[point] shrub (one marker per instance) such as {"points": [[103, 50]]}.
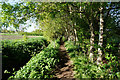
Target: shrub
{"points": [[71, 47], [86, 69], [41, 65], [58, 40], [64, 39], [31, 33], [16, 53]]}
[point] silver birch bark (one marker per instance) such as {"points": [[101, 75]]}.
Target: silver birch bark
{"points": [[92, 36], [119, 49], [91, 42], [100, 43]]}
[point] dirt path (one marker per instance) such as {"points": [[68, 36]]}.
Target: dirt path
{"points": [[64, 69]]}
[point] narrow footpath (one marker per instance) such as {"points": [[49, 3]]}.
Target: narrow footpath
{"points": [[64, 68]]}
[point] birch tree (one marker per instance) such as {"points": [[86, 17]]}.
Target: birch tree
{"points": [[100, 43]]}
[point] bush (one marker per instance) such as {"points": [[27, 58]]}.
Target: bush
{"points": [[71, 47], [31, 33], [86, 69], [64, 39], [17, 53], [41, 65], [58, 40]]}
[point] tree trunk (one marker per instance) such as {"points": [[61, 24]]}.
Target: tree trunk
{"points": [[80, 10], [90, 20], [91, 42], [119, 49], [76, 38], [75, 33], [100, 43]]}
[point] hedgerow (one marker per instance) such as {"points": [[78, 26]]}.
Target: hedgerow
{"points": [[41, 65], [17, 53], [31, 33]]}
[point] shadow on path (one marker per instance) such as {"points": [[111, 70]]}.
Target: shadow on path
{"points": [[64, 68]]}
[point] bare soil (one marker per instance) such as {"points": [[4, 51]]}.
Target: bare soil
{"points": [[64, 69]]}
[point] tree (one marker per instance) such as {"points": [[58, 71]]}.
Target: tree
{"points": [[91, 16], [64, 19], [102, 24], [100, 43], [68, 11]]}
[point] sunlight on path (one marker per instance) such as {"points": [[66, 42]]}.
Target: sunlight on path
{"points": [[64, 69]]}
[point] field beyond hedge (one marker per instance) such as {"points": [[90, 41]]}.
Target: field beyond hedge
{"points": [[4, 36]]}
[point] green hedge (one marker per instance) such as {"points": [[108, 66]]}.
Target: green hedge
{"points": [[31, 33], [16, 53], [41, 65]]}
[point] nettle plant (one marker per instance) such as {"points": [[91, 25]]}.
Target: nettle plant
{"points": [[41, 65], [111, 66], [17, 53]]}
